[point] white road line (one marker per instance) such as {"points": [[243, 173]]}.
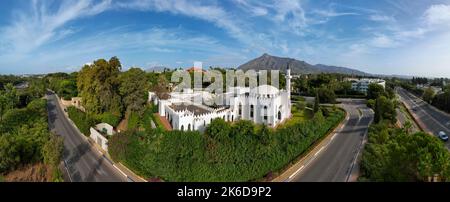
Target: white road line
{"points": [[296, 172], [320, 150], [68, 173], [332, 138], [120, 171]]}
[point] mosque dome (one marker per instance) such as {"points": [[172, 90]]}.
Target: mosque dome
{"points": [[264, 90]]}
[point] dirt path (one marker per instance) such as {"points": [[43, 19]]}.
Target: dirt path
{"points": [[123, 125]]}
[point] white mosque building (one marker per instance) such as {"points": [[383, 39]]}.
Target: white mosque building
{"points": [[264, 104]]}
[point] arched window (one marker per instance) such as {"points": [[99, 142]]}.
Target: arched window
{"points": [[182, 128], [265, 113], [223, 117], [279, 115], [252, 111], [189, 127], [204, 123], [232, 118]]}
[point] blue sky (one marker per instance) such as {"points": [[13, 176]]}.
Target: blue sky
{"points": [[408, 37]]}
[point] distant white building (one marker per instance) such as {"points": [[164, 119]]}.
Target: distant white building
{"points": [[362, 85], [264, 104]]}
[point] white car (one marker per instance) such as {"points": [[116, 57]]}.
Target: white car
{"points": [[443, 136]]}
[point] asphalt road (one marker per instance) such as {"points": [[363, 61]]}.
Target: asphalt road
{"points": [[338, 161], [82, 162], [433, 119]]}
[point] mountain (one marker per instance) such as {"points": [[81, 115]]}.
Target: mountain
{"points": [[341, 70], [268, 62], [157, 69]]}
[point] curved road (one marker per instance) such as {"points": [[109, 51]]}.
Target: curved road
{"points": [[337, 161], [82, 162]]}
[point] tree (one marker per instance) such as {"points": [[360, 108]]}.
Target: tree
{"points": [[374, 91], [326, 95], [384, 110], [161, 89], [98, 85], [371, 103], [300, 105], [52, 151], [3, 105], [133, 89], [316, 103], [428, 95]]}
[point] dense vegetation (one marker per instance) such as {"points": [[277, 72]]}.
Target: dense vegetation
{"points": [[65, 85], [24, 136], [81, 120], [328, 86], [225, 152], [395, 155], [440, 100]]}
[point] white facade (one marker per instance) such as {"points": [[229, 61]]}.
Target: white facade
{"points": [[362, 85], [100, 134], [262, 105]]}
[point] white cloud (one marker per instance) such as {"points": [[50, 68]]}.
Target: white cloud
{"points": [[253, 7], [31, 29], [438, 15], [332, 13], [381, 18], [383, 41]]}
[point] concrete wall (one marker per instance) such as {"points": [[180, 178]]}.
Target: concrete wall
{"points": [[99, 139], [75, 101]]}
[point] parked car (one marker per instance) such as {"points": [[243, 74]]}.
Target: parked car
{"points": [[443, 136]]}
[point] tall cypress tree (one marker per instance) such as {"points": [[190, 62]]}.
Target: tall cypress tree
{"points": [[378, 112], [316, 102]]}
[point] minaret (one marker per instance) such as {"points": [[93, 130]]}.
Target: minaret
{"points": [[288, 88]]}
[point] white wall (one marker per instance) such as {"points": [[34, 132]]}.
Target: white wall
{"points": [[99, 139]]}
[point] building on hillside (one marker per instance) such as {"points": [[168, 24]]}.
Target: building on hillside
{"points": [[75, 102], [264, 104], [362, 85]]}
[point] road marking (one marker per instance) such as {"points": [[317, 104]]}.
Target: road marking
{"points": [[332, 138], [120, 171], [67, 169], [320, 150], [426, 113], [296, 172]]}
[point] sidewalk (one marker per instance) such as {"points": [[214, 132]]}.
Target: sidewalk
{"points": [[293, 170]]}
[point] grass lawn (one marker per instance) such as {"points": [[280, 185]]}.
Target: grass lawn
{"points": [[299, 116]]}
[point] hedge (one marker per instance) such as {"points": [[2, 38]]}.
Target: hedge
{"points": [[81, 120], [225, 152]]}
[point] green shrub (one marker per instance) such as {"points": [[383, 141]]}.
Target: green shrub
{"points": [[81, 120], [394, 155], [226, 152], [24, 132], [133, 120], [110, 119]]}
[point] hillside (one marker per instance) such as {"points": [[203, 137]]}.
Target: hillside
{"points": [[268, 62]]}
